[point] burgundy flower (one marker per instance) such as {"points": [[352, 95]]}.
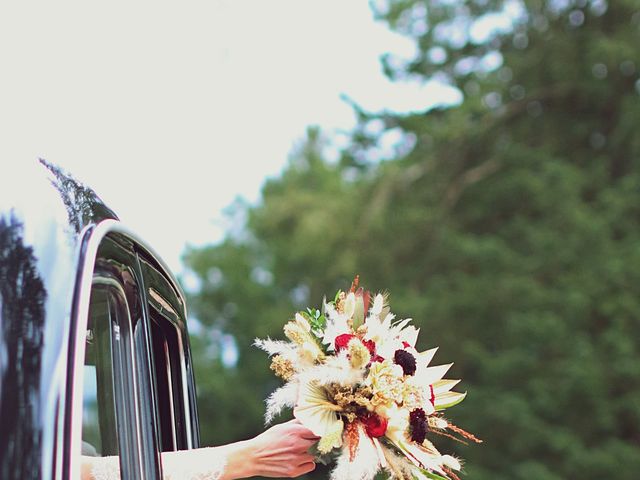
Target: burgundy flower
{"points": [[406, 361], [342, 341], [375, 425], [418, 424]]}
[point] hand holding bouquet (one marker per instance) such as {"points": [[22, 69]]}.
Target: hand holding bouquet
{"points": [[355, 379]]}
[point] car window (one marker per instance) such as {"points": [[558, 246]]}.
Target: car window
{"points": [[174, 393]]}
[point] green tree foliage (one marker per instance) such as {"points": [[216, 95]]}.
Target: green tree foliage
{"points": [[507, 226]]}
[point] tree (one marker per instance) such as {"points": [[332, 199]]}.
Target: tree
{"points": [[507, 226]]}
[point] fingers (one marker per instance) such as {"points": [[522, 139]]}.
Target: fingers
{"points": [[309, 435], [306, 458], [301, 469], [306, 468], [302, 446]]}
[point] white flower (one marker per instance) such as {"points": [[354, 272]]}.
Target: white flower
{"points": [[349, 305], [315, 411], [426, 376], [409, 335], [302, 322], [429, 378], [309, 352], [425, 357], [377, 330], [385, 379], [378, 305]]}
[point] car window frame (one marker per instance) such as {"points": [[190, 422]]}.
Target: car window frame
{"points": [[91, 240]]}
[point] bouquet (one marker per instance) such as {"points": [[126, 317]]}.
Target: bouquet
{"points": [[355, 379]]}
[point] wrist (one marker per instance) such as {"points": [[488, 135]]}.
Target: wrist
{"points": [[240, 460]]}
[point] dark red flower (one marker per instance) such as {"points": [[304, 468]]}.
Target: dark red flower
{"points": [[418, 424], [342, 341], [375, 425], [406, 361]]}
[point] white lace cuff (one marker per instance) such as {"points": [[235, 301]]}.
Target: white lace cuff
{"points": [[198, 464]]}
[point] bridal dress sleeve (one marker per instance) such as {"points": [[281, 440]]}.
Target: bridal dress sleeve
{"points": [[199, 464], [202, 464]]}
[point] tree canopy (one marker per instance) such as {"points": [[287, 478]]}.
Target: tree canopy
{"points": [[507, 226]]}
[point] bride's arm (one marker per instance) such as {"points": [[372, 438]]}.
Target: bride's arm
{"points": [[281, 451]]}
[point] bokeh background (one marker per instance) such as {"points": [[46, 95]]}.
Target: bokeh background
{"points": [[507, 225], [483, 166]]}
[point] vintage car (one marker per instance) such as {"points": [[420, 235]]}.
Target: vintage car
{"points": [[94, 352]]}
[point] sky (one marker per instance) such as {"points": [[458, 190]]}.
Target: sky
{"points": [[172, 110]]}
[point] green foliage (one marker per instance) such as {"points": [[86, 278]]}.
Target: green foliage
{"points": [[316, 320], [508, 227]]}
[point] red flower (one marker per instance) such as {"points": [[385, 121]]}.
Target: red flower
{"points": [[342, 341], [374, 425], [371, 346]]}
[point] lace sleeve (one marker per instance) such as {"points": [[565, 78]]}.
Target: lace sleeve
{"points": [[198, 464], [101, 468]]}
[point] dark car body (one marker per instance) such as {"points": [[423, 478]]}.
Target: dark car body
{"points": [[94, 352]]}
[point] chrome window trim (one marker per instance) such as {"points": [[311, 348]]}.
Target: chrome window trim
{"points": [[91, 239]]}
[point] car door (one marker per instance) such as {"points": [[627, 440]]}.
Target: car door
{"points": [[133, 388]]}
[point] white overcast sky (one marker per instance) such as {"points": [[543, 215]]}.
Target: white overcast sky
{"points": [[171, 110]]}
